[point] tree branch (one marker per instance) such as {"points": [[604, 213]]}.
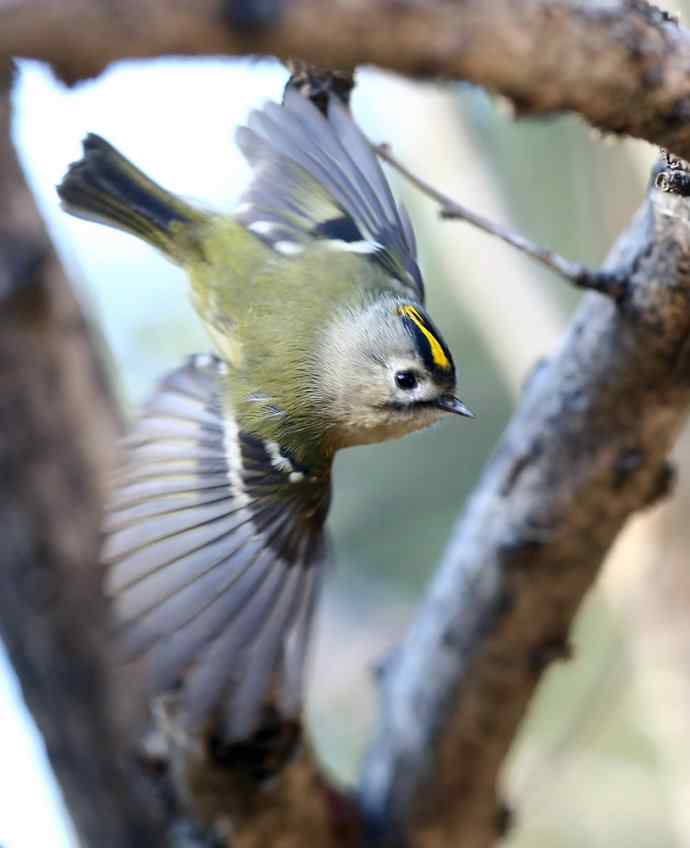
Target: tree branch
{"points": [[586, 448], [58, 427], [546, 56]]}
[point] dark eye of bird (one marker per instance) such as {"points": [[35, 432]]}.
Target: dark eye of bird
{"points": [[406, 380]]}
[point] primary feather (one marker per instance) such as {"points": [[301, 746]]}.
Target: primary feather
{"points": [[312, 171], [212, 538]]}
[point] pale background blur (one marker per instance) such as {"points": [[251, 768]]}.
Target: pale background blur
{"points": [[605, 757]]}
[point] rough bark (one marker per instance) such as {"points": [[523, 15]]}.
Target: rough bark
{"points": [[544, 55], [585, 449], [57, 437]]}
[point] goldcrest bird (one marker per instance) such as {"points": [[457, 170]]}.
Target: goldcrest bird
{"points": [[313, 298]]}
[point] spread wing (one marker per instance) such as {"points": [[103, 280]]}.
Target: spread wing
{"points": [[215, 549], [318, 178]]}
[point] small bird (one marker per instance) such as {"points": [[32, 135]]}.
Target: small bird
{"points": [[313, 298]]}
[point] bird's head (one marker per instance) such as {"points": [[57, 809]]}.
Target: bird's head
{"points": [[385, 371]]}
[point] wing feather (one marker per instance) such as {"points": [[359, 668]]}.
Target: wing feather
{"points": [[213, 554], [317, 177]]}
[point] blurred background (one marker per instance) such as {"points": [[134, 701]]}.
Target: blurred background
{"points": [[604, 756]]}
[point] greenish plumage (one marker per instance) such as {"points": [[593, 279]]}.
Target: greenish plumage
{"points": [[271, 328], [313, 299]]}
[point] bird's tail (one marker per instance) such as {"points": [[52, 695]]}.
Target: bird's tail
{"points": [[104, 186]]}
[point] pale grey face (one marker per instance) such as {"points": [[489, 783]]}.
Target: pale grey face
{"points": [[380, 377], [408, 385]]}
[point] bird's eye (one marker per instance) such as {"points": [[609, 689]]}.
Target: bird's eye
{"points": [[406, 380]]}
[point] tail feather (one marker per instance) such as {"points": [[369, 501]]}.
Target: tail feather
{"points": [[104, 186]]}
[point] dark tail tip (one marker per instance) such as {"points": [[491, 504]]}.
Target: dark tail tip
{"points": [[104, 186], [92, 169]]}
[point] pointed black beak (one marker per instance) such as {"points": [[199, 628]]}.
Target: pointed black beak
{"points": [[449, 403]]}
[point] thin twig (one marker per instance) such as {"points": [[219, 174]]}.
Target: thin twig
{"points": [[610, 283]]}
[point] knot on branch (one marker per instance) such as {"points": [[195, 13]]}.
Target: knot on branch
{"points": [[317, 84], [21, 263], [672, 175], [251, 16], [263, 755], [652, 13]]}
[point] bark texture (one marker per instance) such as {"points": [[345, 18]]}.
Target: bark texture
{"points": [[57, 437], [595, 58], [585, 449]]}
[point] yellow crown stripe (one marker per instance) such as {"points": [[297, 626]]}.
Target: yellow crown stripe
{"points": [[437, 352]]}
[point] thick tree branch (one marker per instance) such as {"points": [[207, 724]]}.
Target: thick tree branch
{"points": [[586, 448], [57, 426], [544, 55]]}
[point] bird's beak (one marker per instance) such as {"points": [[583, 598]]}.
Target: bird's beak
{"points": [[449, 403]]}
